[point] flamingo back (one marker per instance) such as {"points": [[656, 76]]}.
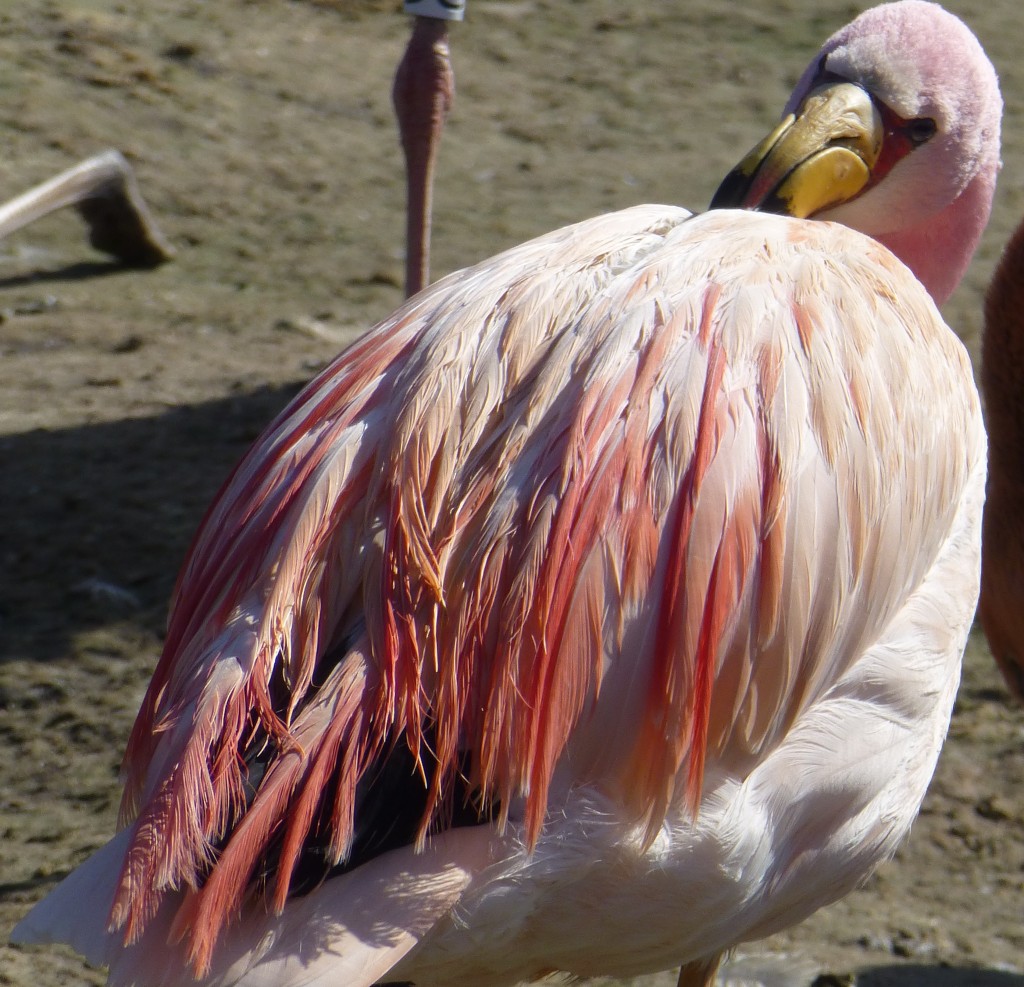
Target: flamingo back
{"points": [[633, 480]]}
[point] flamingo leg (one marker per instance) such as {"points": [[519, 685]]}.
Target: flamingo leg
{"points": [[422, 95], [104, 190]]}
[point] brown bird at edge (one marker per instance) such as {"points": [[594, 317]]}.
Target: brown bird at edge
{"points": [[1001, 378]]}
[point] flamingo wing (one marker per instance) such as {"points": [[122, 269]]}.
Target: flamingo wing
{"points": [[576, 492]]}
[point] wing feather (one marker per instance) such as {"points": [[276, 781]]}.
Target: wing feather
{"points": [[578, 492]]}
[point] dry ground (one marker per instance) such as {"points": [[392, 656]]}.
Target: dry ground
{"points": [[262, 135]]}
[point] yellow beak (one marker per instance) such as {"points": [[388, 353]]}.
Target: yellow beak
{"points": [[819, 157]]}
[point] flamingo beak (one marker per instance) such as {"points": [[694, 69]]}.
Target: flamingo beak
{"points": [[819, 157]]}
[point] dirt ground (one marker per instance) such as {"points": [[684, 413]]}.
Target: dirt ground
{"points": [[263, 138]]}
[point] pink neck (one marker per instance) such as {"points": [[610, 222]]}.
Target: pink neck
{"points": [[939, 249]]}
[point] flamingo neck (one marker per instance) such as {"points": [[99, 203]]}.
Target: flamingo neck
{"points": [[939, 249]]}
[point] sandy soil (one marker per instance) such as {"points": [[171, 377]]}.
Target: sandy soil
{"points": [[263, 138]]}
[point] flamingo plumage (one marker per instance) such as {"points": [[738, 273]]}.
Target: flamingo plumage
{"points": [[603, 607], [1002, 370]]}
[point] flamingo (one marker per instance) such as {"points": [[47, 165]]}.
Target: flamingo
{"points": [[104, 190], [1002, 573], [423, 91], [603, 607]]}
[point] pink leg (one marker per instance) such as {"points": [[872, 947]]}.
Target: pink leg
{"points": [[422, 94]]}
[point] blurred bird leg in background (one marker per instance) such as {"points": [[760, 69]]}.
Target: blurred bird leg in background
{"points": [[104, 191]]}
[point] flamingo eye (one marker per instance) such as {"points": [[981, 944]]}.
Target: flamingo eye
{"points": [[921, 131]]}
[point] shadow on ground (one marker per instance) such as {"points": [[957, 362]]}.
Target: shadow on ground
{"points": [[102, 515], [932, 976], [79, 271]]}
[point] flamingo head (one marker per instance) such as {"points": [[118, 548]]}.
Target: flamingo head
{"points": [[893, 130]]}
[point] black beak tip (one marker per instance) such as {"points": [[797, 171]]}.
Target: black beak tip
{"points": [[730, 193]]}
